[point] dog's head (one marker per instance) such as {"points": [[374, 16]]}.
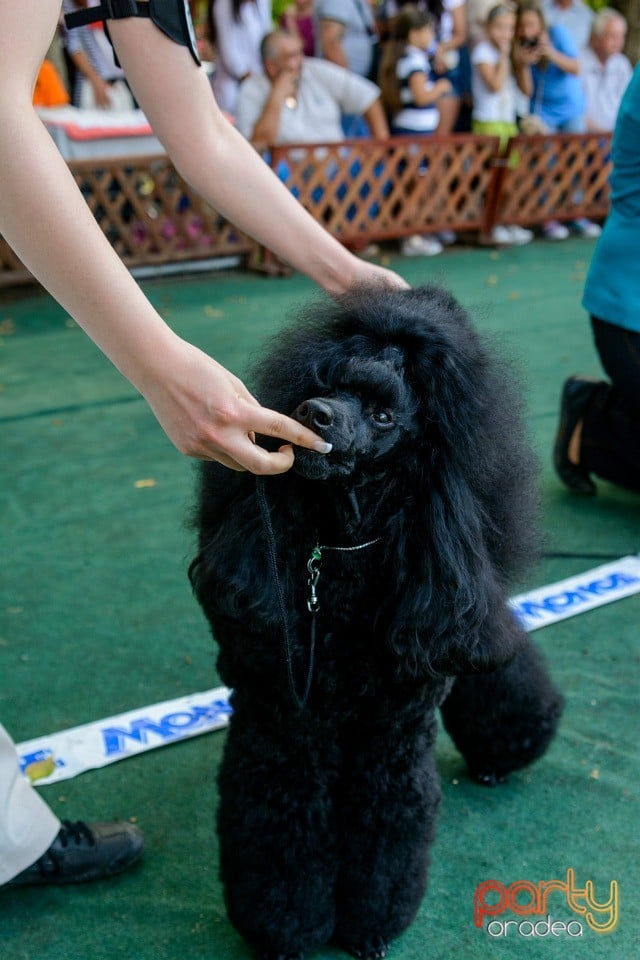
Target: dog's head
{"points": [[366, 409], [386, 376]]}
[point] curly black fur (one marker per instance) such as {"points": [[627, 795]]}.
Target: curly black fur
{"points": [[327, 809]]}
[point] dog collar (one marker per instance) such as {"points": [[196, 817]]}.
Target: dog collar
{"points": [[313, 567]]}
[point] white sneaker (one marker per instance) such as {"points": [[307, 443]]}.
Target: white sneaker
{"points": [[587, 228], [520, 236], [553, 230], [418, 246], [502, 235]]}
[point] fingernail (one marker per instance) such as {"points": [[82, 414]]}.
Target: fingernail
{"points": [[322, 447]]}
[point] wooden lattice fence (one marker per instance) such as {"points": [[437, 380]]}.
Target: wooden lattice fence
{"points": [[561, 177], [148, 213], [373, 190], [360, 190]]}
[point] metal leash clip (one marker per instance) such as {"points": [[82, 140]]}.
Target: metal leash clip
{"points": [[313, 566]]}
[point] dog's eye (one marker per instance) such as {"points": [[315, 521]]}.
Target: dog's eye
{"points": [[383, 418]]}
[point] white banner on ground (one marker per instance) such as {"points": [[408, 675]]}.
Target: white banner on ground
{"points": [[63, 755], [567, 598]]}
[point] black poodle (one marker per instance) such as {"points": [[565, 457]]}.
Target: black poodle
{"points": [[354, 596]]}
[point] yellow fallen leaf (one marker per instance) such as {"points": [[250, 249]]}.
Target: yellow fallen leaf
{"points": [[40, 769], [148, 482], [213, 311], [595, 774]]}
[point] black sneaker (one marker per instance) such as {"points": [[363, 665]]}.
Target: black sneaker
{"points": [[84, 851], [576, 394]]}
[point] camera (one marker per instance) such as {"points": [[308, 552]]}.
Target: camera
{"points": [[528, 43]]}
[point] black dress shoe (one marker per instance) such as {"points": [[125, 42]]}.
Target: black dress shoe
{"points": [[576, 394], [84, 851]]}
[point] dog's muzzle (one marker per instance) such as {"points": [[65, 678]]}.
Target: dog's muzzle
{"points": [[316, 414], [335, 421]]}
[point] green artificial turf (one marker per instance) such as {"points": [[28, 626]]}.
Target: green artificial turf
{"points": [[97, 617]]}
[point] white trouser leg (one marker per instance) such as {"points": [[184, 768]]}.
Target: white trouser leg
{"points": [[27, 826]]}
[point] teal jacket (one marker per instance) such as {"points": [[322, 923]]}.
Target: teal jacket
{"points": [[612, 290]]}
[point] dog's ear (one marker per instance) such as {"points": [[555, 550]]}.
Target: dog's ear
{"points": [[449, 612], [473, 526]]}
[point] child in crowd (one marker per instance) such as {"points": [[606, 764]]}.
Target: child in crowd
{"points": [[494, 93], [410, 94]]}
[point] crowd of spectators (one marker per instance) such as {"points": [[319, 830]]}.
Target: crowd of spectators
{"points": [[290, 71]]}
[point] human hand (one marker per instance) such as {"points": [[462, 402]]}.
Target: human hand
{"points": [[285, 86], [208, 413], [371, 273], [439, 62], [101, 93], [544, 46], [525, 54], [443, 87]]}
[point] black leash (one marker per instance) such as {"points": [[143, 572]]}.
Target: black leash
{"points": [[313, 603], [300, 702]]}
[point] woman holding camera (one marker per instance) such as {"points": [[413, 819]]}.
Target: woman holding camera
{"points": [[546, 66]]}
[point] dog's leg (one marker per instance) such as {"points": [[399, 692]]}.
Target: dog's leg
{"points": [[504, 720], [388, 805], [277, 829]]}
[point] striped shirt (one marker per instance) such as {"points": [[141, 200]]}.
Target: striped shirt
{"points": [[92, 41], [412, 116]]}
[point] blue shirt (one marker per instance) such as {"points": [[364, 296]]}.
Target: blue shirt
{"points": [[612, 290], [558, 96]]}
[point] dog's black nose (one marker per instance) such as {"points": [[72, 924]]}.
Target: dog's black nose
{"points": [[315, 414]]}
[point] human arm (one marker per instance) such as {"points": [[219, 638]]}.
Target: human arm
{"points": [[377, 120], [100, 88], [495, 74], [460, 29], [203, 408], [562, 59], [523, 59], [259, 107], [352, 93], [331, 45], [423, 92], [457, 39]]}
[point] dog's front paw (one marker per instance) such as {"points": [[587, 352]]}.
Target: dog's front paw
{"points": [[374, 948]]}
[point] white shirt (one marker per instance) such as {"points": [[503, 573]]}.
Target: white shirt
{"points": [[604, 84], [445, 31], [491, 105], [325, 92], [238, 46]]}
